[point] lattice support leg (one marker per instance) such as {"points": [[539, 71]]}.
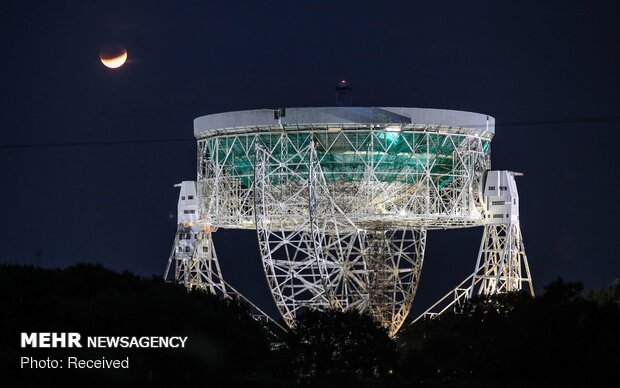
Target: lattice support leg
{"points": [[502, 263], [195, 262]]}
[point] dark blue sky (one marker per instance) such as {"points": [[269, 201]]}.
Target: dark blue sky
{"points": [[536, 66]]}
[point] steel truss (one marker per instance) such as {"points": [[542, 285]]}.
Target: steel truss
{"points": [[433, 186], [194, 260], [395, 261], [341, 214], [502, 264], [195, 264], [326, 260]]}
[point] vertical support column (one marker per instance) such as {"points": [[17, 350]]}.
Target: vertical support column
{"points": [[193, 258], [502, 263]]}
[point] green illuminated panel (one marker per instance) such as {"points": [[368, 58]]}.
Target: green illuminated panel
{"points": [[345, 156]]}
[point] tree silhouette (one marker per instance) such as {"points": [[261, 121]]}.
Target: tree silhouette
{"points": [[333, 343], [559, 338], [224, 342], [609, 294]]}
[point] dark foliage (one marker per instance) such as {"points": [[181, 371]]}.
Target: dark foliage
{"points": [[224, 343], [610, 294], [332, 345], [558, 339]]}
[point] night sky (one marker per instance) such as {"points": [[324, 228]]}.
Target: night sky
{"points": [[89, 155]]}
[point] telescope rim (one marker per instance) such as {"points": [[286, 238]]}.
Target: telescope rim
{"points": [[344, 118]]}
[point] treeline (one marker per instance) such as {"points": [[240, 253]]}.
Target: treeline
{"points": [[224, 343], [561, 338], [558, 339]]}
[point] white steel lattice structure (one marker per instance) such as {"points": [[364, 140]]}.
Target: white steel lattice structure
{"points": [[342, 199], [502, 263]]}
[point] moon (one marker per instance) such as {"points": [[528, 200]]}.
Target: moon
{"points": [[116, 62], [113, 55]]}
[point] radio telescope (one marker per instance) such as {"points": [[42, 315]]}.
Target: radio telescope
{"points": [[342, 199]]}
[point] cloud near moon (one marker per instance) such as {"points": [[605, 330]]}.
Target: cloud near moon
{"points": [[113, 55]]}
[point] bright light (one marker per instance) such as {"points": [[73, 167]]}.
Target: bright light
{"points": [[116, 62], [393, 128]]}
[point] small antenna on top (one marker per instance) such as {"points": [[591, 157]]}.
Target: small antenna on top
{"points": [[344, 93]]}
